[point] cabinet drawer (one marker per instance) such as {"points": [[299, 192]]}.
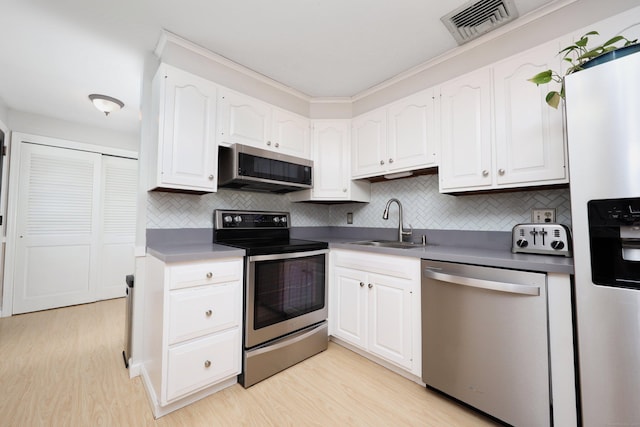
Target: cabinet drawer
{"points": [[203, 310], [203, 362], [205, 273]]}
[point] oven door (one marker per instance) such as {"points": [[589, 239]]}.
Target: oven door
{"points": [[285, 293]]}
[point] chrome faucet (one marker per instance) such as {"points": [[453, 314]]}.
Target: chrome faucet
{"points": [[385, 216]]}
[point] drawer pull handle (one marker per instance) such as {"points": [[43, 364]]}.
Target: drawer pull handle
{"points": [[209, 275], [208, 313], [207, 363]]}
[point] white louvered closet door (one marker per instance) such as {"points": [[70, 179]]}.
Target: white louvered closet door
{"points": [[118, 196], [57, 242]]}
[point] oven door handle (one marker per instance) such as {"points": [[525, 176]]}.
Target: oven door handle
{"points": [[272, 257]]}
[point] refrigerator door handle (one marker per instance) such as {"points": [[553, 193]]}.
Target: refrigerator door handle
{"points": [[483, 284]]}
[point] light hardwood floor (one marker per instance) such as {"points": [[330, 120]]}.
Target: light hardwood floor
{"points": [[64, 367]]}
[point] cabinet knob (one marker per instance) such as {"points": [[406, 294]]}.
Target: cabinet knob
{"points": [[361, 284], [208, 313], [382, 162], [370, 286], [390, 160], [344, 190], [269, 143], [207, 363], [485, 173], [277, 144], [209, 275], [501, 171], [210, 177]]}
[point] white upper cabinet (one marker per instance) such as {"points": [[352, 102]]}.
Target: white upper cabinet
{"points": [[246, 120], [466, 131], [331, 155], [413, 132], [498, 131], [529, 134], [243, 120], [369, 143], [290, 133], [187, 154], [399, 137]]}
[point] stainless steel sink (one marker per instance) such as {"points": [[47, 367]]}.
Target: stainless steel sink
{"points": [[388, 244]]}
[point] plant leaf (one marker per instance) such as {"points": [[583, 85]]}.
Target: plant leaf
{"points": [[542, 77], [614, 40], [553, 99]]}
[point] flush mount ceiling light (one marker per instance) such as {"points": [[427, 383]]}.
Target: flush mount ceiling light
{"points": [[105, 103]]}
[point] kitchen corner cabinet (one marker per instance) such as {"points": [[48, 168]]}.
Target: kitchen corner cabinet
{"points": [[376, 305], [331, 155], [193, 334], [400, 137], [498, 131], [246, 120], [187, 154]]}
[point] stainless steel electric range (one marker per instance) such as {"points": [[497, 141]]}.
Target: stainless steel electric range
{"points": [[285, 291]]}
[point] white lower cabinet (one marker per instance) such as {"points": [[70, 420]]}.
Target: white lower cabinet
{"points": [[375, 305], [193, 334]]}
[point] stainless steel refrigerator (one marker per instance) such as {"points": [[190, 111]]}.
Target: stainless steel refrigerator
{"points": [[603, 130]]}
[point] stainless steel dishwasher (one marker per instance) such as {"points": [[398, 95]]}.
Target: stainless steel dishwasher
{"points": [[485, 340]]}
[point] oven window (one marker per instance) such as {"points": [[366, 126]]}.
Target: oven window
{"points": [[288, 288]]}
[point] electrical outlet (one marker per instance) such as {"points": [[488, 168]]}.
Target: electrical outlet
{"points": [[349, 217], [541, 215]]}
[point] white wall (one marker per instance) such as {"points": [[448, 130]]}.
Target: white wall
{"points": [[35, 124]]}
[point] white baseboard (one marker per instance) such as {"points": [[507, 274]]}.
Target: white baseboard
{"points": [[160, 411], [390, 366]]}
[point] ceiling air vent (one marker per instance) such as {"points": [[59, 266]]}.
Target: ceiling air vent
{"points": [[478, 17]]}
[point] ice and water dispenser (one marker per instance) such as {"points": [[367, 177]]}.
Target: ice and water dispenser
{"points": [[614, 238]]}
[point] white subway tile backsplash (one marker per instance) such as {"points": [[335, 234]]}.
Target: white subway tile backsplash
{"points": [[424, 207]]}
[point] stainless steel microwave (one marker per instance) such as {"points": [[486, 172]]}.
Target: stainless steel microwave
{"points": [[253, 169]]}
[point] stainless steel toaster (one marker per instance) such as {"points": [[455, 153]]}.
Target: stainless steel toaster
{"points": [[541, 238]]}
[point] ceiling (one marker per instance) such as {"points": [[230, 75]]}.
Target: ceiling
{"points": [[54, 53]]}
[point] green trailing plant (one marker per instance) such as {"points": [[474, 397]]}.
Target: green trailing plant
{"points": [[576, 55]]}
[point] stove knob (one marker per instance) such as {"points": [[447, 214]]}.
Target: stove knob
{"points": [[237, 218], [557, 245], [276, 219], [283, 220], [228, 218], [522, 243]]}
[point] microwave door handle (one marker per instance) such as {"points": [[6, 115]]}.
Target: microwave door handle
{"points": [[483, 284]]}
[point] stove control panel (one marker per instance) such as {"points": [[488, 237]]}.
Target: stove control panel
{"points": [[234, 219], [541, 238]]}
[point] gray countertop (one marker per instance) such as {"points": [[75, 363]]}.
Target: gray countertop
{"points": [[461, 247]]}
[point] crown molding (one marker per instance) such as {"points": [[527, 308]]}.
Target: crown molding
{"points": [[167, 37]]}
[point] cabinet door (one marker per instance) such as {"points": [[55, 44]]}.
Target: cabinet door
{"points": [[189, 154], [243, 120], [290, 134], [349, 314], [466, 132], [412, 140], [200, 363], [331, 159], [194, 312], [529, 135], [369, 141], [390, 317]]}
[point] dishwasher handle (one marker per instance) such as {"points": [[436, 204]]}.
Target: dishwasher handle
{"points": [[483, 284]]}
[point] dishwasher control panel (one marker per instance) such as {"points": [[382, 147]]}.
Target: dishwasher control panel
{"points": [[541, 238]]}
